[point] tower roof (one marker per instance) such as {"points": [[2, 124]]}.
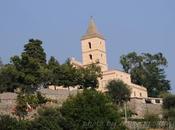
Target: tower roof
{"points": [[92, 31]]}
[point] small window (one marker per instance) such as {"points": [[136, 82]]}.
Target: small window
{"points": [[101, 55], [140, 94], [148, 101], [157, 101], [134, 93], [90, 56], [90, 45]]}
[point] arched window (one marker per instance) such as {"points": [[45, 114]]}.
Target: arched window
{"points": [[90, 56], [90, 45]]}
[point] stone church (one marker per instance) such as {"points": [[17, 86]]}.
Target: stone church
{"points": [[94, 51]]}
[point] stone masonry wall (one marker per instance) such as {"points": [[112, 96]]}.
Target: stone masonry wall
{"points": [[141, 108]]}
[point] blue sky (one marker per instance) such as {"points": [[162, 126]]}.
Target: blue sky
{"points": [[128, 25]]}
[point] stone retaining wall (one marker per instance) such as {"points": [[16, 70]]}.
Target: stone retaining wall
{"points": [[141, 108]]}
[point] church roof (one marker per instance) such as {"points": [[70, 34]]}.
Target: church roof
{"points": [[92, 31]]}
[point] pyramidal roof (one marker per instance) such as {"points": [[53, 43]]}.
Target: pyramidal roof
{"points": [[92, 31]]}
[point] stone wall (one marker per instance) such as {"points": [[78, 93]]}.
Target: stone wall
{"points": [[7, 102], [140, 107]]}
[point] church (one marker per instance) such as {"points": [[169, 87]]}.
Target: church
{"points": [[94, 51]]}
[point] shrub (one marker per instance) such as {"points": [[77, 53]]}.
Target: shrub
{"points": [[48, 119], [118, 91], [152, 120], [11, 123], [169, 102], [90, 110]]}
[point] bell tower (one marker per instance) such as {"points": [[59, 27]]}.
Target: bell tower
{"points": [[93, 47]]}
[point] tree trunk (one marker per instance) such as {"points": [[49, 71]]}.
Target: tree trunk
{"points": [[69, 90]]}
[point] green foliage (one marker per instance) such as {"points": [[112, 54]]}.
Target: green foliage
{"points": [[118, 91], [68, 75], [23, 100], [30, 72], [147, 70], [29, 66], [169, 102], [169, 107], [89, 76], [8, 78], [152, 120], [53, 63], [90, 110], [34, 50], [54, 69], [169, 114], [10, 123], [21, 107], [48, 119], [41, 98]]}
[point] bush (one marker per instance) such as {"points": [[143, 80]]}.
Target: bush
{"points": [[7, 122], [41, 99], [118, 91], [24, 101], [169, 107], [11, 123], [170, 114], [152, 120], [169, 102], [48, 119], [90, 110], [21, 107]]}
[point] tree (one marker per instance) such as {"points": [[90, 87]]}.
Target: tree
{"points": [[7, 122], [169, 102], [48, 119], [54, 69], [11, 123], [90, 110], [34, 50], [118, 91], [89, 76], [31, 65], [147, 70], [52, 63], [169, 107], [67, 75], [8, 78], [26, 102], [21, 106]]}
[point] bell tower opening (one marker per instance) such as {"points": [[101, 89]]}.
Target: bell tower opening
{"points": [[90, 45], [90, 56]]}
